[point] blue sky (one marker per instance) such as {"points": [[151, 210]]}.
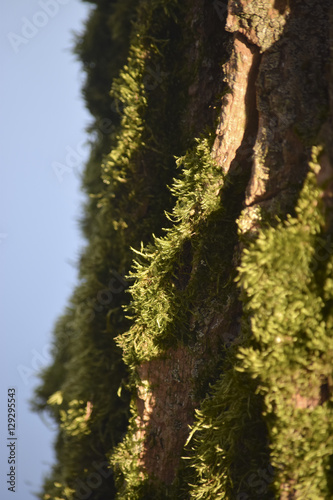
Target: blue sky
{"points": [[43, 121]]}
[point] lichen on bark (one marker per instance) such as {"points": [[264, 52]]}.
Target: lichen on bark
{"points": [[261, 21]]}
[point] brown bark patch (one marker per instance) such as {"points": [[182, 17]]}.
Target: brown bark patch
{"points": [[238, 105], [311, 396], [167, 394], [165, 411]]}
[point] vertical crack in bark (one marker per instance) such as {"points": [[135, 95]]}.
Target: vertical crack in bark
{"points": [[238, 118], [325, 176], [291, 99]]}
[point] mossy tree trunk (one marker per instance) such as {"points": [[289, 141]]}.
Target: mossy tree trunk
{"points": [[274, 109], [227, 350]]}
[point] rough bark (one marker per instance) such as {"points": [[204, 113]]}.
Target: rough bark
{"points": [[278, 77], [228, 345]]}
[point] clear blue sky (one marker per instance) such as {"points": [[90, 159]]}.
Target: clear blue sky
{"points": [[42, 119]]}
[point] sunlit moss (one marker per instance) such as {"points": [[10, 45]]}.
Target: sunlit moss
{"points": [[287, 297], [158, 304], [274, 401]]}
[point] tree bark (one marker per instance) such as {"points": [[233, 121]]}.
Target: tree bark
{"points": [[228, 345], [276, 107]]}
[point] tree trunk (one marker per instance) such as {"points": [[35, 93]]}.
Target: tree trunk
{"points": [[228, 346]]}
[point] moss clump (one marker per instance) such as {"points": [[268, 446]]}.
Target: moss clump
{"points": [[271, 400], [266, 428], [228, 443], [159, 294], [181, 282], [287, 301], [126, 196]]}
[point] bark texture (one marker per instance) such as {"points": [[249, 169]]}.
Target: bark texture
{"points": [[276, 103], [226, 337]]}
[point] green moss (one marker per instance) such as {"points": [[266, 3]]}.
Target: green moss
{"points": [[271, 400], [158, 296], [287, 297], [185, 275], [126, 463], [126, 179], [273, 404]]}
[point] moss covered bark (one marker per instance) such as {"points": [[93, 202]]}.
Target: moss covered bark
{"points": [[210, 376]]}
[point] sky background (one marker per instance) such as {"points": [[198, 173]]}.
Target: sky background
{"points": [[43, 122]]}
